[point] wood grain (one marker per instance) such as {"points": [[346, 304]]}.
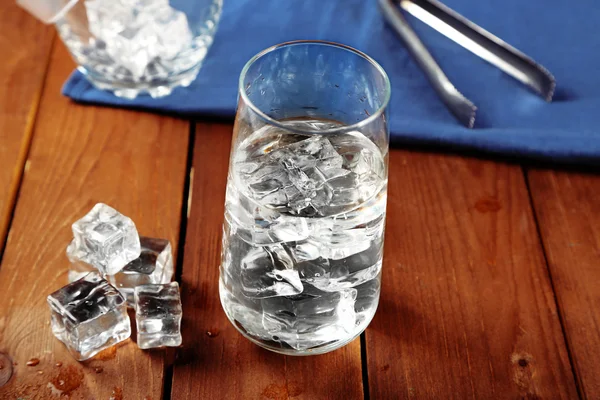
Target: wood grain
{"points": [[567, 206], [25, 47], [217, 362], [467, 309], [82, 155]]}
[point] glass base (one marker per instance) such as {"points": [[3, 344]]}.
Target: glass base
{"points": [[155, 88], [282, 348]]}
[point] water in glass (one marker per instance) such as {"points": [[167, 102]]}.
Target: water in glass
{"points": [[303, 236]]}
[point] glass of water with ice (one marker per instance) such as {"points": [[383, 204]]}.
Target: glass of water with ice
{"points": [[306, 197], [132, 47]]}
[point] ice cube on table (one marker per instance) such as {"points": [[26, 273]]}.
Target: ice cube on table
{"points": [[154, 265], [310, 319], [105, 239], [77, 268], [88, 316], [268, 271], [158, 315]]}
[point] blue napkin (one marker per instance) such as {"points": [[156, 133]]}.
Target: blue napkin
{"points": [[561, 35]]}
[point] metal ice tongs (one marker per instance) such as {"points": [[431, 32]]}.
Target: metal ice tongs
{"points": [[472, 37]]}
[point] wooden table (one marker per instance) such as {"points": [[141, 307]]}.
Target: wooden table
{"points": [[491, 277]]}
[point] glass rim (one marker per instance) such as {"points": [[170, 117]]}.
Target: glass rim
{"points": [[363, 122]]}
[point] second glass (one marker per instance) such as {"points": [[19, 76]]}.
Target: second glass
{"points": [[306, 197], [132, 47]]}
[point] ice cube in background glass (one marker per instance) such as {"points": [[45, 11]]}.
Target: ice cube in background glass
{"points": [[135, 33], [105, 239], [173, 32], [88, 316], [158, 315], [133, 48], [127, 38], [108, 16]]}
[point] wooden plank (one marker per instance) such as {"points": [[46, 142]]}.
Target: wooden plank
{"points": [[25, 47], [80, 156], [567, 205], [467, 309], [218, 363]]}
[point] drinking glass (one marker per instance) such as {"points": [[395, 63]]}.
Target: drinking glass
{"points": [[306, 196]]}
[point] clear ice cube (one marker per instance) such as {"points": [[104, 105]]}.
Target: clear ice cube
{"points": [[367, 299], [260, 225], [133, 48], [333, 275], [105, 239], [77, 268], [294, 178], [316, 151], [268, 272], [107, 17], [231, 261], [154, 265], [340, 238], [173, 32], [304, 251], [311, 319], [158, 315], [355, 269], [244, 312], [88, 316]]}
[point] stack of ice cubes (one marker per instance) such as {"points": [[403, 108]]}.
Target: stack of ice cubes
{"points": [[138, 32], [113, 267]]}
